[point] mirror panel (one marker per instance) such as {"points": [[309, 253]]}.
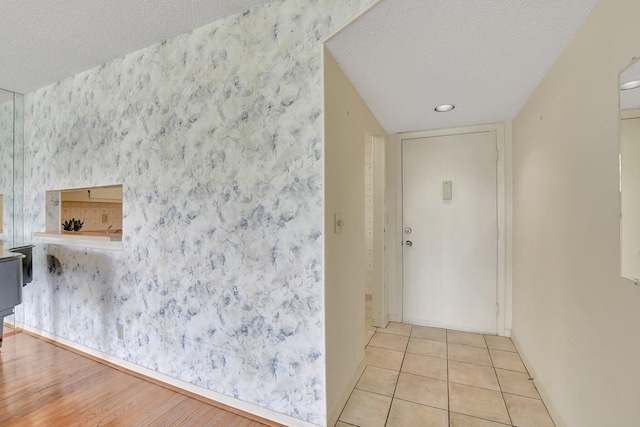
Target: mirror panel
{"points": [[630, 172], [6, 165], [12, 180], [19, 237]]}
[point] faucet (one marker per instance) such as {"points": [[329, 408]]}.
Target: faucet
{"points": [[108, 228]]}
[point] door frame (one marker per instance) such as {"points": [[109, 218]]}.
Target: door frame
{"points": [[379, 312], [503, 193]]}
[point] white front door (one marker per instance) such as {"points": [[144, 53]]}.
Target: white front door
{"points": [[450, 239]]}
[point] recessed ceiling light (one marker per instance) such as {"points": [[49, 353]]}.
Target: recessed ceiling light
{"points": [[444, 108], [630, 85]]}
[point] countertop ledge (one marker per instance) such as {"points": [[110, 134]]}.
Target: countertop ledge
{"points": [[86, 239]]}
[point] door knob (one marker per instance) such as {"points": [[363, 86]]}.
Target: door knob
{"points": [[409, 243]]}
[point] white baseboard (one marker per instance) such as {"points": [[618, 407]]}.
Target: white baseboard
{"points": [[544, 394], [335, 414], [183, 385]]}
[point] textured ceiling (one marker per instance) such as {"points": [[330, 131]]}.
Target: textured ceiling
{"points": [[44, 41], [405, 57]]}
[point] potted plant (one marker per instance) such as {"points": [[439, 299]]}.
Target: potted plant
{"points": [[72, 225]]}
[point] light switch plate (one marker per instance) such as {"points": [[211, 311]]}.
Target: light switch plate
{"points": [[447, 190]]}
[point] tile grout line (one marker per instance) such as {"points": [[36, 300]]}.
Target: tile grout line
{"points": [[393, 396], [349, 398], [478, 364], [498, 380]]}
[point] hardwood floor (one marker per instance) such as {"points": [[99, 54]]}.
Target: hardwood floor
{"points": [[42, 384]]}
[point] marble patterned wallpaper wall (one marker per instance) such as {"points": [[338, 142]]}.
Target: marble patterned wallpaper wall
{"points": [[216, 137]]}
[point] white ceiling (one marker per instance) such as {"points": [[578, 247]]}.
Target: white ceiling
{"points": [[44, 41], [405, 57]]}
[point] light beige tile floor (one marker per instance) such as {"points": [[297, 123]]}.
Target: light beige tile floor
{"points": [[430, 377]]}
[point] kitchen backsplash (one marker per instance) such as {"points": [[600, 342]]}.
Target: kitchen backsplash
{"points": [[92, 214]]}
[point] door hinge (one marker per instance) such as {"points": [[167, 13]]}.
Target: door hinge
{"points": [[497, 155], [497, 308]]}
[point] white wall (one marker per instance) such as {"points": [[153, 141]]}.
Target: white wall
{"points": [[347, 122], [575, 318]]}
